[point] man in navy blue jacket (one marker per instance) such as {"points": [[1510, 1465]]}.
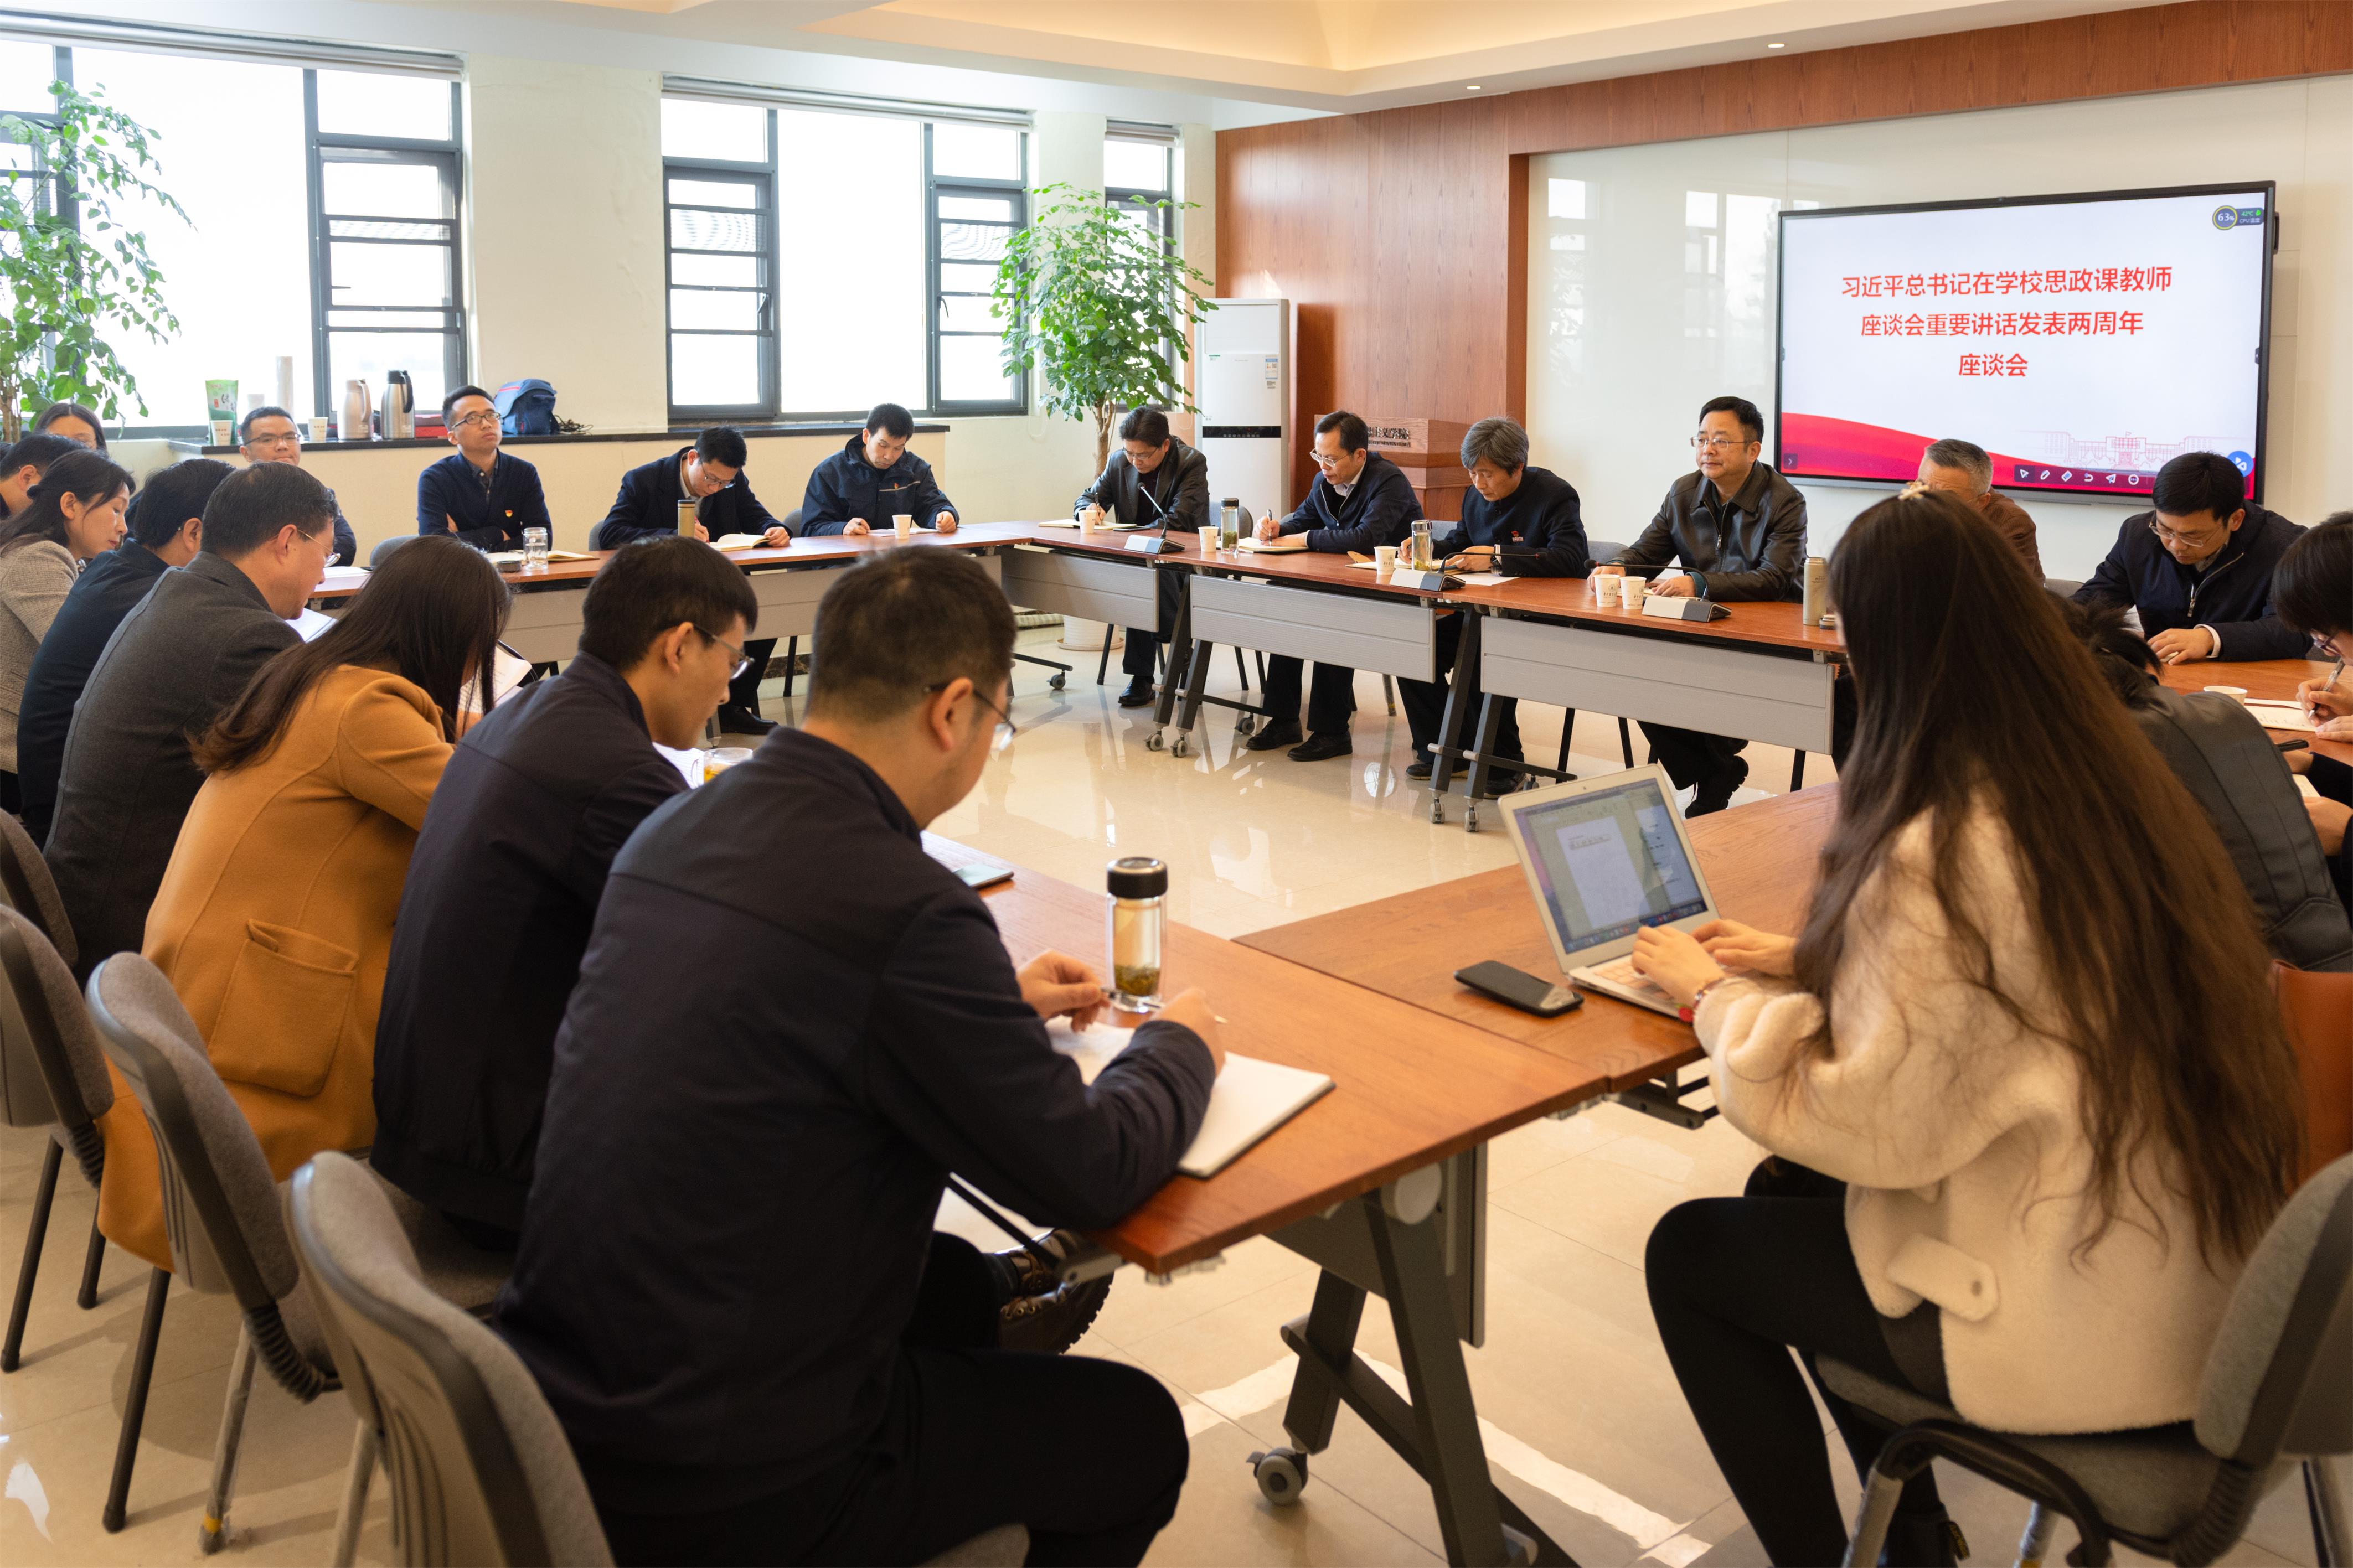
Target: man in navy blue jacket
{"points": [[1359, 501], [729, 1287], [1519, 520], [2199, 567], [503, 885], [710, 474], [873, 479], [478, 492]]}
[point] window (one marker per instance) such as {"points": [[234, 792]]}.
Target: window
{"points": [[976, 200], [719, 195], [1138, 172], [384, 228], [822, 262]]}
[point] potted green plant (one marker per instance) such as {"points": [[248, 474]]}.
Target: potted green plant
{"points": [[69, 284], [1101, 303]]}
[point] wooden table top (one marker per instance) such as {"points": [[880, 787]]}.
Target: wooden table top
{"points": [[1759, 862], [1773, 622], [2265, 681], [1408, 1089]]}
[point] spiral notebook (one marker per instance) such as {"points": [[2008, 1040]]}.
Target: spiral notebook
{"points": [[1252, 1099]]}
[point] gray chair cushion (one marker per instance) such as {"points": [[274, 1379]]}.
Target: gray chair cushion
{"points": [[356, 1225], [385, 547], [141, 1000], [452, 1267], [81, 1079], [2258, 1313], [48, 906], [2151, 1483], [1006, 1546]]}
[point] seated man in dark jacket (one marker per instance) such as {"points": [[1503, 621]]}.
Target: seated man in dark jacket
{"points": [[480, 494], [2228, 761], [268, 435], [872, 480], [1153, 480], [180, 656], [1738, 530], [2199, 567], [710, 474], [167, 527], [1359, 501], [721, 1114], [1518, 520], [503, 885]]}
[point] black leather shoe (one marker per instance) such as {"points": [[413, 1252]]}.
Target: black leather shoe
{"points": [[1316, 748], [1139, 694], [1715, 793], [1502, 781], [1928, 1538], [1421, 767], [742, 721], [1276, 734], [1050, 1324]]}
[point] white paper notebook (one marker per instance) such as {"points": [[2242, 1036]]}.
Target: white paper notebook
{"points": [[1283, 546], [2281, 716], [1252, 1099]]}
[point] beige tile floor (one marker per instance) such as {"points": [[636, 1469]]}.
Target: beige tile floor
{"points": [[1583, 1422]]}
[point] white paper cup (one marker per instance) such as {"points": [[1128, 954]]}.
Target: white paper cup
{"points": [[1209, 540], [1607, 588], [314, 429], [903, 525], [223, 431], [1384, 559], [2235, 693], [1086, 520]]}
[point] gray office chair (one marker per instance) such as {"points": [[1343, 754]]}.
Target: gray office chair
{"points": [[385, 547], [2277, 1389], [52, 1075], [221, 1214], [482, 1472], [2063, 586]]}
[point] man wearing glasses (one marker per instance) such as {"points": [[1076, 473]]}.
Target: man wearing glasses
{"points": [[1737, 530], [2199, 567], [478, 492], [268, 435], [1359, 501]]}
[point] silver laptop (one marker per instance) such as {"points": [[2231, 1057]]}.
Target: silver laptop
{"points": [[1606, 857]]}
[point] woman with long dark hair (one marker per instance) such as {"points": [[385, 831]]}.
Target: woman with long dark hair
{"points": [[74, 422], [2027, 1025], [274, 920], [73, 512]]}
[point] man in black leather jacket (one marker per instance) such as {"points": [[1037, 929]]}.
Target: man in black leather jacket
{"points": [[1153, 480]]}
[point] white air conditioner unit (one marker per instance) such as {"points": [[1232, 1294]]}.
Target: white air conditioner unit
{"points": [[1245, 397]]}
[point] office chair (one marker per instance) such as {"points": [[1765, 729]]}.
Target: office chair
{"points": [[2273, 1395], [482, 1472]]}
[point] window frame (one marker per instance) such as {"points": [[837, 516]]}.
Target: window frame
{"points": [[1118, 198], [769, 335], [934, 188], [447, 156]]}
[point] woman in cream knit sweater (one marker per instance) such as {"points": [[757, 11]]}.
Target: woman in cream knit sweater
{"points": [[73, 514], [2027, 1027]]}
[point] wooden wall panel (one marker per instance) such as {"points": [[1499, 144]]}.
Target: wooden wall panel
{"points": [[1399, 236]]}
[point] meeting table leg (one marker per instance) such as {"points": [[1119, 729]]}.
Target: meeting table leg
{"points": [[1181, 636], [1450, 727]]}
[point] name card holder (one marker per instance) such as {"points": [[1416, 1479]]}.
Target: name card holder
{"points": [[1428, 582], [1669, 608], [1153, 544]]}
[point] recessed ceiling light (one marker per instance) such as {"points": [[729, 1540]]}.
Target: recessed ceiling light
{"points": [[1471, 87], [1777, 46]]}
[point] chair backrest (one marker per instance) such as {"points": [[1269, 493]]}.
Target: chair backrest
{"points": [[2275, 1381], [2318, 1012], [52, 1070], [482, 1472], [385, 547], [1604, 548], [27, 886], [2063, 586], [792, 520]]}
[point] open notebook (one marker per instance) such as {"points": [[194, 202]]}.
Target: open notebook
{"points": [[1253, 1098], [1287, 544]]}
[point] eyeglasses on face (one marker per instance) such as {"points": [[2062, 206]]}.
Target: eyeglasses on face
{"points": [[1719, 443], [1002, 736], [275, 438], [479, 416], [743, 660], [2193, 537]]}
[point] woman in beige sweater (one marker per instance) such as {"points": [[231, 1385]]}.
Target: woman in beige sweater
{"points": [[2027, 1027], [74, 513]]}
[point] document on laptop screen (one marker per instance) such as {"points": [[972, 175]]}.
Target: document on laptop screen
{"points": [[1609, 863]]}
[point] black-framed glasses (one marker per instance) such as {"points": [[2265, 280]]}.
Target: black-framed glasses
{"points": [[1003, 735], [1720, 442], [479, 416], [743, 659], [2191, 538]]}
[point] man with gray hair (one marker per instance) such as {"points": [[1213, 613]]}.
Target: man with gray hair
{"points": [[1964, 469], [1519, 520]]}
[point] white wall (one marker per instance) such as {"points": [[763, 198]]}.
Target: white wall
{"points": [[1625, 341], [565, 198]]}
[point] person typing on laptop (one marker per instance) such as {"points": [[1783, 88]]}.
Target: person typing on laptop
{"points": [[2027, 1026]]}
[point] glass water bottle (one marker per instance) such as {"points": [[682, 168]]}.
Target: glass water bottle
{"points": [[1229, 525], [1422, 557], [1136, 925]]}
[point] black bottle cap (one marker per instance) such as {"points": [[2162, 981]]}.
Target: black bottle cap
{"points": [[1137, 876]]}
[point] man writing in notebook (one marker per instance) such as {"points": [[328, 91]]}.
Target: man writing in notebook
{"points": [[867, 1037], [1153, 480]]}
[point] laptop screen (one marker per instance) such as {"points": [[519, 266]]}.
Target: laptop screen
{"points": [[1610, 862]]}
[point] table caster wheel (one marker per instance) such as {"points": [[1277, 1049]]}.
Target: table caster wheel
{"points": [[1181, 747], [1438, 808], [1055, 681], [1245, 725], [1470, 818], [1156, 741], [1282, 1475]]}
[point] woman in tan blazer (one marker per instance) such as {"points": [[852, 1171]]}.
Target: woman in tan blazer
{"points": [[274, 919]]}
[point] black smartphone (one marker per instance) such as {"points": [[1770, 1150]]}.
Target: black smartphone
{"points": [[978, 877], [2295, 746], [1528, 992]]}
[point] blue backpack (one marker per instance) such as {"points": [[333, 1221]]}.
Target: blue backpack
{"points": [[526, 408]]}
